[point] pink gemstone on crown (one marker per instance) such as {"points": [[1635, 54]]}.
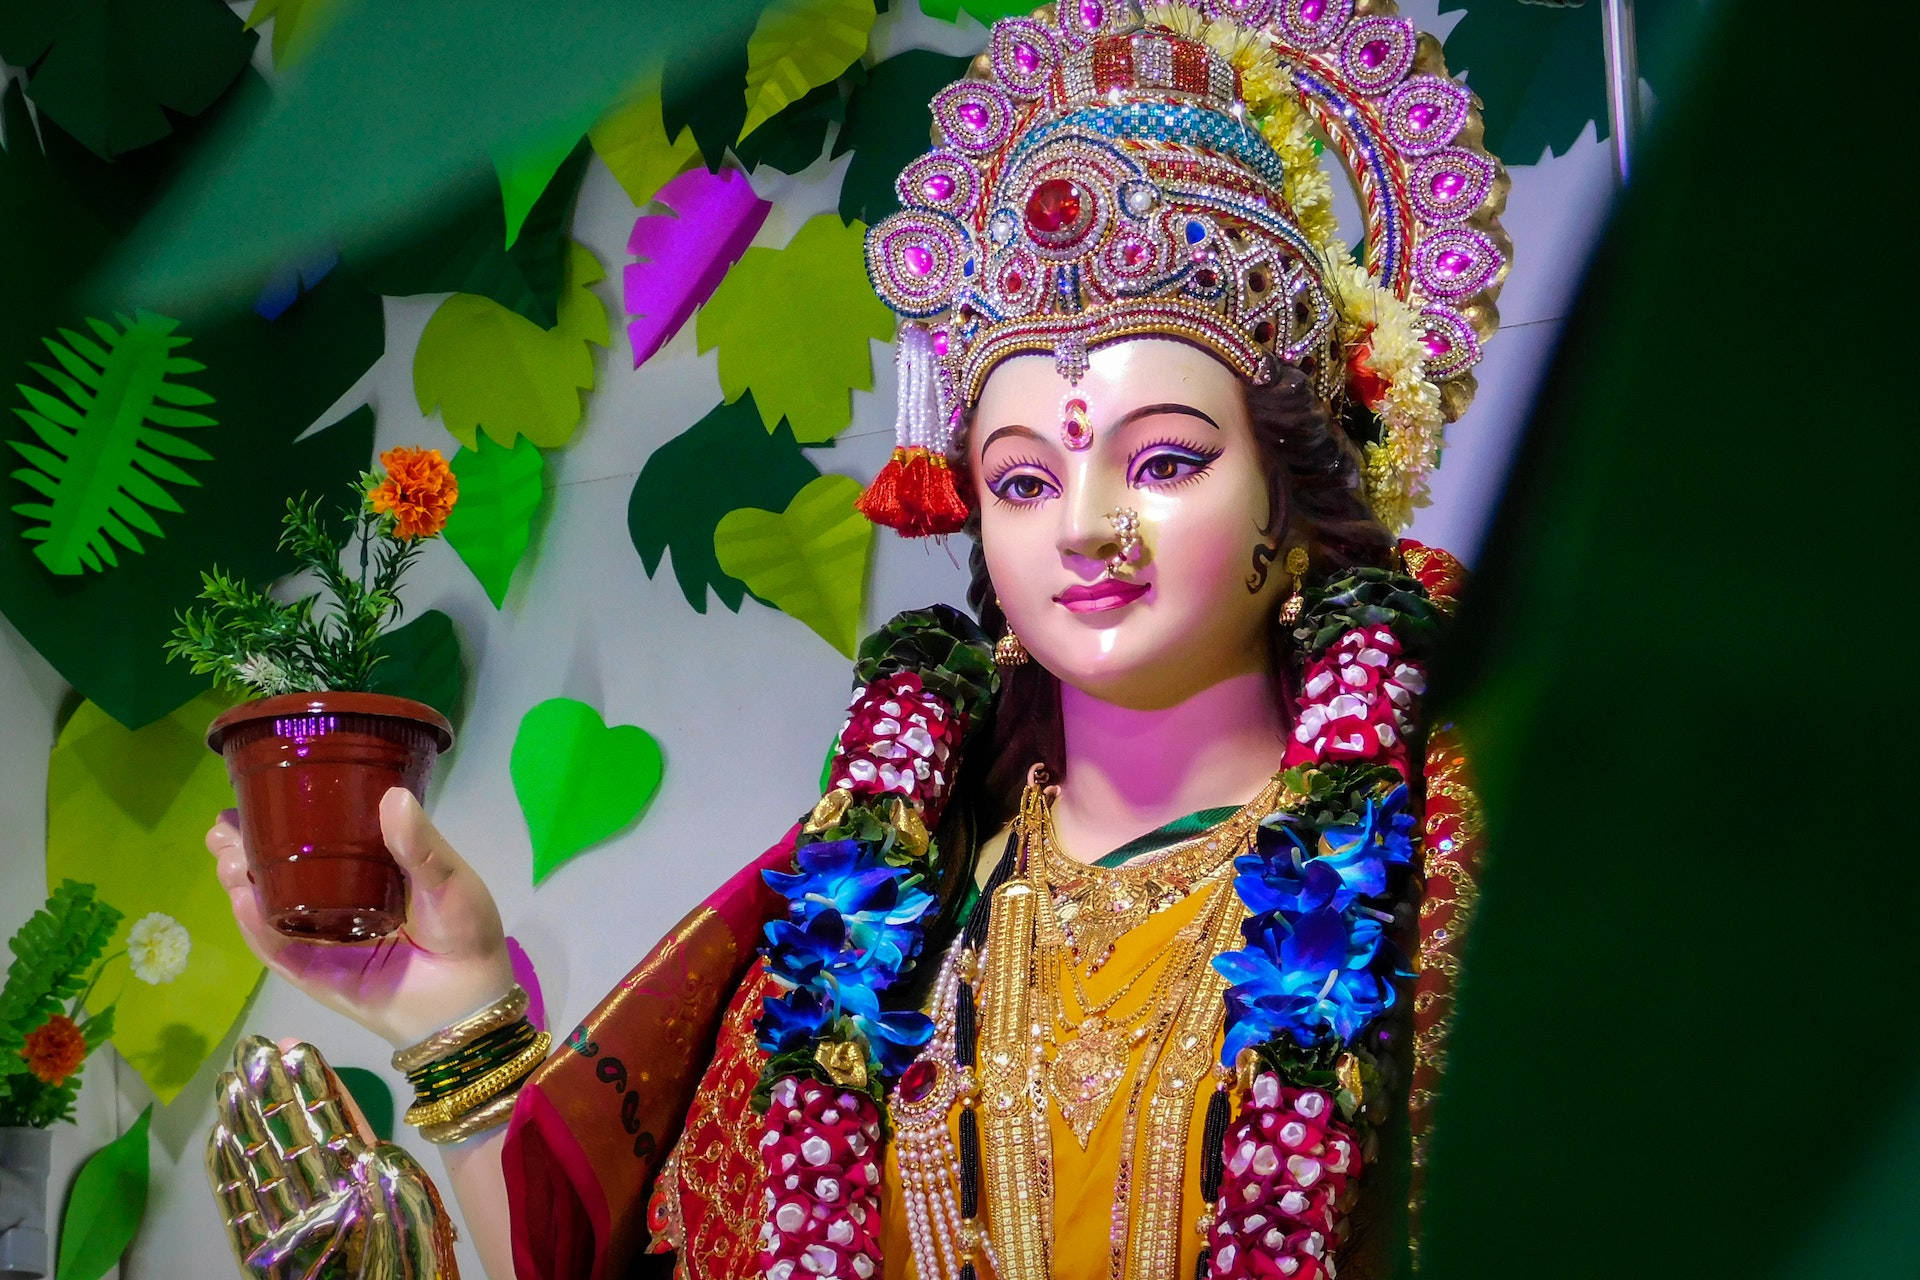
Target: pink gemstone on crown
{"points": [[919, 259], [1093, 13], [1421, 116], [1026, 57], [1312, 10], [1453, 262], [1373, 54], [1438, 344], [974, 113], [1054, 206], [938, 186], [1447, 185]]}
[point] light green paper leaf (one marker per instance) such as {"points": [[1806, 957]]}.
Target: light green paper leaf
{"points": [[578, 781], [814, 288], [297, 24], [483, 367], [797, 46], [373, 1096], [128, 810], [809, 560], [108, 1200], [631, 138], [100, 447], [491, 524]]}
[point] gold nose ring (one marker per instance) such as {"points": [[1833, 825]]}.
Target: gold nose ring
{"points": [[1126, 529]]}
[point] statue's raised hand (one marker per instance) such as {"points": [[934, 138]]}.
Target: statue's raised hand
{"points": [[305, 1189], [449, 959]]}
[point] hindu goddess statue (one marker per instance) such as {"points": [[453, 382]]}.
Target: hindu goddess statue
{"points": [[1121, 943]]}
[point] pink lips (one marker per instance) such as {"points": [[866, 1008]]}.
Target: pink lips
{"points": [[1098, 596]]}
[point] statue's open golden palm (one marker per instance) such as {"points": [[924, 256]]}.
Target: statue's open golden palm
{"points": [[305, 1188]]}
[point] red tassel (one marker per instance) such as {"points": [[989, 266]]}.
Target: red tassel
{"points": [[915, 495]]}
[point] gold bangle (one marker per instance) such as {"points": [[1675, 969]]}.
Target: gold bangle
{"points": [[460, 1101], [509, 1008], [487, 1115]]}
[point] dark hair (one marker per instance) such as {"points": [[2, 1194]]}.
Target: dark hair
{"points": [[1316, 485]]}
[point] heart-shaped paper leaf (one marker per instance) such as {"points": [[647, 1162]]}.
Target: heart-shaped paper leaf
{"points": [[816, 287], [809, 560], [500, 490], [104, 1209], [578, 781], [124, 808], [682, 255], [798, 45], [486, 369], [725, 459]]}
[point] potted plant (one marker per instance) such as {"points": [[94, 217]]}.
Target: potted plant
{"points": [[45, 1037], [315, 750]]}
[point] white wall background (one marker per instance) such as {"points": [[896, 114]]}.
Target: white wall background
{"points": [[744, 705]]}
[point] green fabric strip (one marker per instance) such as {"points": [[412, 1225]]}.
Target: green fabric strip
{"points": [[1173, 833]]}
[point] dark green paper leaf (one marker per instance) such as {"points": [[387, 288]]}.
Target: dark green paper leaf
{"points": [[466, 252], [491, 524], [726, 460], [373, 1096], [110, 71], [888, 124], [986, 12], [794, 138], [104, 1210], [423, 661], [708, 95]]}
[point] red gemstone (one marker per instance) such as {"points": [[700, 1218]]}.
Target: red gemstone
{"points": [[1015, 282], [1054, 206], [916, 1082]]}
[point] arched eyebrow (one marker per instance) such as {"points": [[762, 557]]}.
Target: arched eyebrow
{"points": [[1154, 410], [1014, 430]]}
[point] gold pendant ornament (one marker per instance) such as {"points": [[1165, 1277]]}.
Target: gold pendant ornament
{"points": [[1297, 566]]}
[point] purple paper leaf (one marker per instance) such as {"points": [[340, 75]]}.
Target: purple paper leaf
{"points": [[682, 255], [524, 975]]}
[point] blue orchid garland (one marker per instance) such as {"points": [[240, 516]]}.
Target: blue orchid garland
{"points": [[1318, 966], [855, 924]]}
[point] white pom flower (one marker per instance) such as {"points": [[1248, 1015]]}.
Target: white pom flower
{"points": [[158, 947]]}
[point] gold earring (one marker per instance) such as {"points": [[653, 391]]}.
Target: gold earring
{"points": [[1297, 566], [1007, 650]]}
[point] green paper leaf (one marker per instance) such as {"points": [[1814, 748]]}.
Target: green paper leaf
{"points": [[986, 12], [103, 446], [810, 560], [704, 96], [482, 367], [526, 173], [105, 633], [104, 1210], [797, 136], [799, 45], [469, 251], [373, 1095], [109, 71], [631, 138], [128, 811], [888, 123], [816, 286], [725, 459], [491, 524], [578, 781], [297, 24], [423, 661]]}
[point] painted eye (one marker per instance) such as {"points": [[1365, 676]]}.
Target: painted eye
{"points": [[1165, 465], [1020, 486]]}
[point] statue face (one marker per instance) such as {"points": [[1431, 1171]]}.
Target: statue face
{"points": [[1158, 427]]}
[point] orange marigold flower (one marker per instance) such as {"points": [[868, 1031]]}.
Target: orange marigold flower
{"points": [[419, 491], [55, 1049]]}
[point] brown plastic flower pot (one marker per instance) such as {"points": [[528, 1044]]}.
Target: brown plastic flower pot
{"points": [[308, 770]]}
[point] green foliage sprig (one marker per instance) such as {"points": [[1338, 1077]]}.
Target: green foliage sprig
{"points": [[53, 953], [248, 640]]}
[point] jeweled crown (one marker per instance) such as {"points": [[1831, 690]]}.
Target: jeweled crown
{"points": [[1105, 173]]}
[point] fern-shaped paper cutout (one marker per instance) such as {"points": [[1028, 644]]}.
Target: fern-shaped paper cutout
{"points": [[106, 440], [52, 954]]}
